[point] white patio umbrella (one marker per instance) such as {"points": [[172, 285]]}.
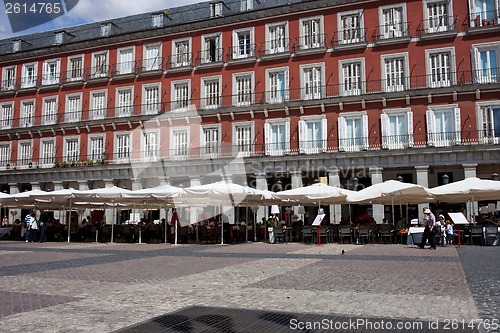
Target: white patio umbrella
{"points": [[313, 194]]}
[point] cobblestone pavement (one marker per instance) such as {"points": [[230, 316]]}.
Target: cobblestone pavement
{"points": [[62, 287]]}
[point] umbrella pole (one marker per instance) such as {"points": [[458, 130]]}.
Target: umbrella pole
{"points": [[246, 221], [254, 226], [392, 204], [69, 222], [113, 221], [221, 227], [165, 226], [176, 222]]}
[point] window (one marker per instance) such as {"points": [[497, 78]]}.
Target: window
{"points": [[73, 108], [28, 79], [47, 152], [312, 76], [277, 137], [16, 46], [443, 126], [277, 38], [181, 95], [351, 77], [27, 113], [211, 49], [150, 146], [126, 63], [483, 12], [124, 102], [311, 34], [105, 29], [158, 20], [122, 147], [210, 95], [100, 65], [438, 16], [486, 60], [242, 89], [395, 72], [353, 131], [277, 85], [392, 21], [179, 143], [243, 138], [96, 148], [243, 44], [51, 72], [246, 5], [75, 68], [7, 115], [59, 38], [181, 53], [9, 78], [151, 99], [25, 153], [98, 105], [4, 154], [216, 9], [49, 111], [397, 129], [210, 142], [488, 121], [312, 135], [351, 27], [440, 67], [71, 149], [152, 57]]}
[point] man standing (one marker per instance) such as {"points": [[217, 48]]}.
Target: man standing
{"points": [[33, 226], [429, 229]]}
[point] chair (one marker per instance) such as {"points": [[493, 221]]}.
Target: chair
{"points": [[106, 233], [491, 235], [307, 233], [278, 234], [475, 232], [386, 232], [325, 234], [345, 231], [364, 233]]}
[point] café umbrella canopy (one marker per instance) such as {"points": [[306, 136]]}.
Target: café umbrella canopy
{"points": [[313, 194]]}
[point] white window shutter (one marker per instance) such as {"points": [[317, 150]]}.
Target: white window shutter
{"points": [[342, 133], [409, 118], [302, 135], [457, 127], [287, 137], [324, 133], [384, 123], [430, 118], [366, 133], [268, 138], [45, 73]]}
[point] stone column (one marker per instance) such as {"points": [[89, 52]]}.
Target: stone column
{"points": [[335, 210], [109, 212], [229, 210], [296, 183], [261, 184], [58, 214], [193, 212], [423, 180], [35, 186], [472, 207], [135, 215], [14, 213], [83, 185], [378, 210], [164, 181]]}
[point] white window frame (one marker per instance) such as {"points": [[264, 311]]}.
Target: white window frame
{"points": [[122, 156], [24, 161], [106, 29], [482, 14], [205, 57], [102, 70], [392, 140], [16, 45], [45, 159], [242, 99], [177, 60], [490, 136], [49, 78], [149, 154], [147, 107], [404, 82], [213, 150], [391, 30], [353, 144], [173, 93], [158, 20], [216, 9], [314, 92], [276, 49], [276, 148], [491, 75], [7, 121], [50, 119], [438, 25], [72, 117], [351, 36], [440, 139], [66, 157], [270, 92], [71, 72], [179, 153], [308, 145], [98, 113], [6, 158], [27, 120], [7, 84], [312, 42], [126, 67], [91, 154], [205, 98], [453, 68], [248, 148], [130, 105], [26, 80], [246, 5], [152, 63], [236, 45], [59, 37], [362, 87]]}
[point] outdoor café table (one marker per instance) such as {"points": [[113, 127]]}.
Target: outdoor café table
{"points": [[5, 231], [415, 235], [287, 231]]}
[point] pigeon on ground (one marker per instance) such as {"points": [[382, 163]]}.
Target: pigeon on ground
{"points": [[343, 251]]}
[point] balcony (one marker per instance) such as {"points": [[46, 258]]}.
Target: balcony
{"points": [[150, 67], [348, 39], [316, 43], [438, 28], [275, 49], [73, 77], [241, 54], [397, 33], [97, 74], [180, 62], [124, 71], [482, 22], [210, 58], [8, 87]]}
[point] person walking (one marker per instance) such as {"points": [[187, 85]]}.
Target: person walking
{"points": [[429, 231]]}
